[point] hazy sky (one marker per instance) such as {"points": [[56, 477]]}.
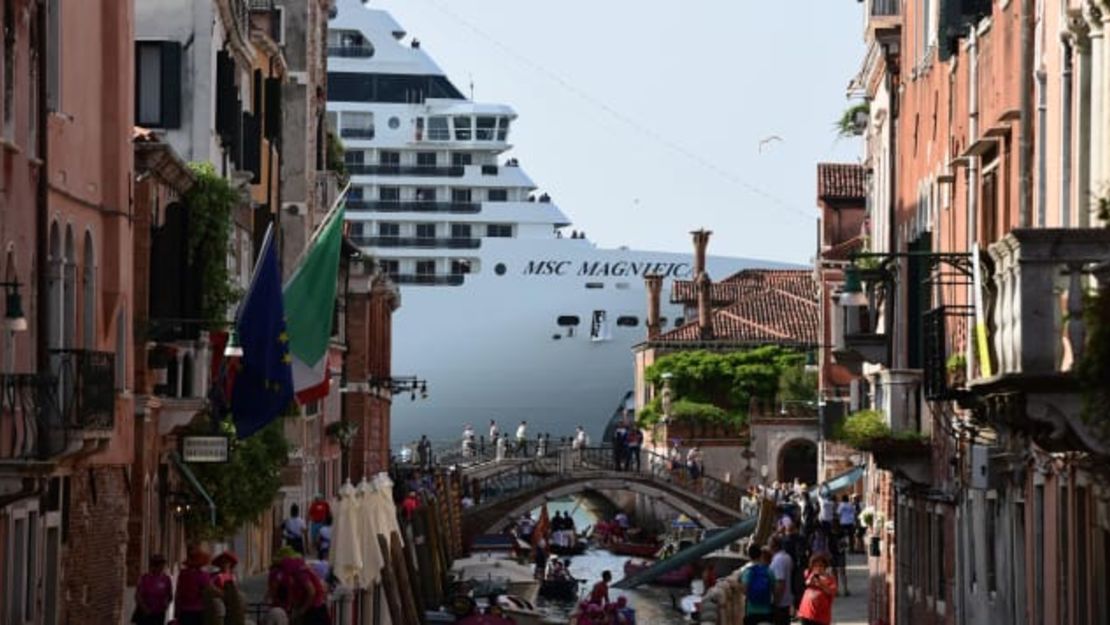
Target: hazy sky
{"points": [[643, 118]]}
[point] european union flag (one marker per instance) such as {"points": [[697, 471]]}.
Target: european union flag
{"points": [[264, 382]]}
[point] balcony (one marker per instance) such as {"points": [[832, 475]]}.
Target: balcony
{"points": [[902, 447], [1037, 335], [417, 206], [24, 402], [356, 133], [856, 337], [351, 52], [944, 373], [363, 169], [451, 243], [428, 279], [86, 382]]}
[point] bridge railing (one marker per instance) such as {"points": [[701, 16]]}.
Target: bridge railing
{"points": [[565, 461]]}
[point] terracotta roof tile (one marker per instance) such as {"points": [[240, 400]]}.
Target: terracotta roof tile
{"points": [[841, 181], [844, 249], [771, 307], [743, 283]]}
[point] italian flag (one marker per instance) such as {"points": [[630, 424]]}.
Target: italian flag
{"points": [[309, 299]]}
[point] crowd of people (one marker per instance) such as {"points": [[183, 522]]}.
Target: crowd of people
{"points": [[818, 531]]}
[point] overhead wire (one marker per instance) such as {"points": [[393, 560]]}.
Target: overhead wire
{"points": [[621, 117]]}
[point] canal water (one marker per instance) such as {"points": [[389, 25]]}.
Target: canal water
{"points": [[653, 604]]}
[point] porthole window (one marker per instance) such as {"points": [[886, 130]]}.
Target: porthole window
{"points": [[628, 321], [499, 269], [394, 123], [568, 320]]}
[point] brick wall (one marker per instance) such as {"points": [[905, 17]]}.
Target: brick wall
{"points": [[94, 554]]}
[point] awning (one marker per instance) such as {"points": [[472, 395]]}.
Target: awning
{"points": [[191, 478], [842, 481]]}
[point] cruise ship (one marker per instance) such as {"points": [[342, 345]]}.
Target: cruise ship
{"points": [[507, 312]]}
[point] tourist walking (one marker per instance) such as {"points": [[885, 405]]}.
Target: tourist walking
{"points": [[846, 515], [192, 583], [424, 451], [318, 513], [468, 441], [817, 601], [758, 583], [153, 594], [293, 530], [782, 566], [635, 440], [522, 439], [499, 447], [620, 443]]}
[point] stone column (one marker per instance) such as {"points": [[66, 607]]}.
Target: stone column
{"points": [[1093, 15], [1081, 72]]}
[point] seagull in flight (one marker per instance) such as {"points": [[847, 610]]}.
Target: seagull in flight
{"points": [[768, 140]]}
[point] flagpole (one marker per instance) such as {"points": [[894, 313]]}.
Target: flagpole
{"points": [[319, 229], [267, 239]]}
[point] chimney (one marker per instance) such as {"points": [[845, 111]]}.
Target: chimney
{"points": [[704, 287], [654, 284], [702, 283]]}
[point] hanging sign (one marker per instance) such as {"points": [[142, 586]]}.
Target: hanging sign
{"points": [[204, 449]]}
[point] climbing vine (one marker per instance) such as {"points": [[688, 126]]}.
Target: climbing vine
{"points": [[242, 488], [211, 201]]}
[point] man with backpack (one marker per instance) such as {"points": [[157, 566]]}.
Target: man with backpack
{"points": [[758, 582], [782, 567]]}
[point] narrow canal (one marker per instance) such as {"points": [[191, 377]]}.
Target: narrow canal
{"points": [[653, 604]]}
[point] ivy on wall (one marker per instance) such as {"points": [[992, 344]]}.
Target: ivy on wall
{"points": [[210, 202]]}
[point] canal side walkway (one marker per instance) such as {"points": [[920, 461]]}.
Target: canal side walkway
{"points": [[852, 610]]}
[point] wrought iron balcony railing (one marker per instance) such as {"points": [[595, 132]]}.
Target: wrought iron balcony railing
{"points": [[25, 401], [86, 389]]}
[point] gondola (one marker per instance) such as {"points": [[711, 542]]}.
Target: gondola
{"points": [[637, 550], [560, 589], [681, 576]]}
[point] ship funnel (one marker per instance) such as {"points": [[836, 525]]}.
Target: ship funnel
{"points": [[654, 284], [702, 283]]}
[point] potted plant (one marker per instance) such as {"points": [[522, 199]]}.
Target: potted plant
{"points": [[957, 370]]}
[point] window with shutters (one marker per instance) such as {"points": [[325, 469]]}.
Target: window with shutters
{"points": [[273, 109], [252, 146], [158, 84]]}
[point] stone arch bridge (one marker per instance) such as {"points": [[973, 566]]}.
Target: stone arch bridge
{"points": [[507, 488]]}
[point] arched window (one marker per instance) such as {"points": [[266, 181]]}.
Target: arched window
{"points": [[88, 295], [69, 292], [55, 262]]}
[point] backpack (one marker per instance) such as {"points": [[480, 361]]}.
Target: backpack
{"points": [[759, 585]]}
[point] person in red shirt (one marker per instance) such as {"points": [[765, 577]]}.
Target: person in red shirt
{"points": [[410, 505], [599, 595], [318, 513], [816, 606], [192, 581], [153, 594]]}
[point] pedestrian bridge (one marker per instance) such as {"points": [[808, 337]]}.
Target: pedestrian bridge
{"points": [[505, 489]]}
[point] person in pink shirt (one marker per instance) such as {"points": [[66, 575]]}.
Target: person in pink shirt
{"points": [[153, 594], [191, 584], [816, 606]]}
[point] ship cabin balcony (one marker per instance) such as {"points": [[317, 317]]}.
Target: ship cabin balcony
{"points": [[428, 279], [415, 206], [1037, 331], [451, 243], [351, 51], [366, 169], [43, 415]]}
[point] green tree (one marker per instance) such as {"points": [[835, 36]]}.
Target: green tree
{"points": [[242, 488], [728, 381]]}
